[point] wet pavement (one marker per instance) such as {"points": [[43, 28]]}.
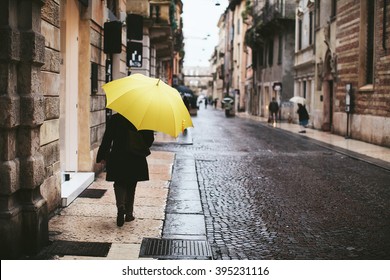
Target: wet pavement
{"points": [[270, 193], [252, 190]]}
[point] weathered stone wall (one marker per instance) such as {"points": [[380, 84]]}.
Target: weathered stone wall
{"points": [[51, 188], [23, 210], [370, 119]]}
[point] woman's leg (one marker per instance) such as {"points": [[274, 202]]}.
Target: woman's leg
{"points": [[120, 197], [129, 203], [303, 126]]}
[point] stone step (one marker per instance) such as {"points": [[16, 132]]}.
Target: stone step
{"points": [[77, 183]]}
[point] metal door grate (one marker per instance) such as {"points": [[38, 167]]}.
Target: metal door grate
{"points": [[175, 249], [92, 193], [74, 248]]}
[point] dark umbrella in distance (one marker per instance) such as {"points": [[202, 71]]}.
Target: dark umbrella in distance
{"points": [[183, 89]]}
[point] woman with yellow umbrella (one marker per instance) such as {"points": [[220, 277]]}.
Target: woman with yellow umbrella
{"points": [[144, 105], [124, 151]]}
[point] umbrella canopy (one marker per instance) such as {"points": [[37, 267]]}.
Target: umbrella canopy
{"points": [[183, 89], [298, 99], [149, 103], [228, 100]]}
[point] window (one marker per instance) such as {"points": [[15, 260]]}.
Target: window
{"points": [[370, 42], [84, 2], [112, 6], [94, 78], [155, 12], [280, 6], [238, 54], [334, 8], [271, 53], [231, 34], [299, 34], [318, 12], [367, 35], [261, 55], [280, 49], [310, 28]]}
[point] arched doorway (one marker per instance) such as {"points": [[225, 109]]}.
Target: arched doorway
{"points": [[328, 90]]}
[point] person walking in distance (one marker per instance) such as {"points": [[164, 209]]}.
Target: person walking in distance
{"points": [[124, 150], [273, 108], [303, 117]]}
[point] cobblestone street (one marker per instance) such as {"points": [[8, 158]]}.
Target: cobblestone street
{"points": [[271, 194]]}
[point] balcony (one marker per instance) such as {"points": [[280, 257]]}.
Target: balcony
{"points": [[285, 11], [271, 19], [165, 33]]}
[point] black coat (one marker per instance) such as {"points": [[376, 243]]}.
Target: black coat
{"points": [[122, 165], [273, 107], [302, 113]]}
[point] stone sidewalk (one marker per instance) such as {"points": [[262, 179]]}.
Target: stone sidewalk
{"points": [[94, 219]]}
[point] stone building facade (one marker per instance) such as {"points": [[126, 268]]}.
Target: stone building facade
{"points": [[24, 162], [272, 42], [54, 60], [337, 45], [304, 62], [321, 101], [363, 61]]}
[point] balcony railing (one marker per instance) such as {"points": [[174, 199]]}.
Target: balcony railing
{"points": [[278, 11]]}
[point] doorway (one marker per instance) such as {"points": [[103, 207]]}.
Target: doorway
{"points": [[328, 89], [69, 85]]}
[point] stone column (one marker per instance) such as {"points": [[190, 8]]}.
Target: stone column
{"points": [[23, 211]]}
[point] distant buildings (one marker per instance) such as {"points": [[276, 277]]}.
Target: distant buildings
{"points": [[333, 53]]}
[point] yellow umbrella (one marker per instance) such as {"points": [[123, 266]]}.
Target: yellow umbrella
{"points": [[149, 103]]}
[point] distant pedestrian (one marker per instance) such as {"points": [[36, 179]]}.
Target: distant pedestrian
{"points": [[273, 108], [205, 103], [124, 150], [303, 117], [186, 102]]}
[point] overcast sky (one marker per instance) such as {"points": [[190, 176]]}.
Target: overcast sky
{"points": [[200, 18]]}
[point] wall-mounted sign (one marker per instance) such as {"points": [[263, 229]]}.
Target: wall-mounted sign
{"points": [[277, 86], [134, 54]]}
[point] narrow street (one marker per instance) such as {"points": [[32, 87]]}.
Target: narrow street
{"points": [[271, 194]]}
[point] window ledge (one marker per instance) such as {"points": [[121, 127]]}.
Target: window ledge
{"points": [[367, 88]]}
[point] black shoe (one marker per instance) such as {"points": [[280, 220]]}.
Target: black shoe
{"points": [[302, 131], [120, 219], [129, 218]]}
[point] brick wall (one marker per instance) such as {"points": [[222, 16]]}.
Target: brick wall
{"points": [[371, 103], [367, 101]]}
